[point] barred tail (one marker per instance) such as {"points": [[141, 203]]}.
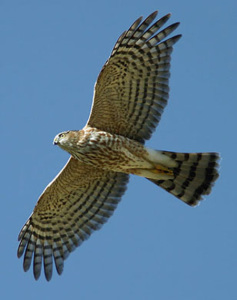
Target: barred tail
{"points": [[194, 175]]}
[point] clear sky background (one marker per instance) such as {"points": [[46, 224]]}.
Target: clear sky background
{"points": [[154, 246]]}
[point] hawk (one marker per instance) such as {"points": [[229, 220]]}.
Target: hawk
{"points": [[129, 97]]}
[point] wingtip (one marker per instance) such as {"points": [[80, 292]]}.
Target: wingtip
{"points": [[155, 13], [178, 36], [48, 276]]}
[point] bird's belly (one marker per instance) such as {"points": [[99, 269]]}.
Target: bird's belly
{"points": [[116, 153]]}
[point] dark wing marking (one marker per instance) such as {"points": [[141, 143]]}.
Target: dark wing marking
{"points": [[77, 202], [133, 87]]}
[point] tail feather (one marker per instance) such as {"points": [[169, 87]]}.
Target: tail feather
{"points": [[194, 175]]}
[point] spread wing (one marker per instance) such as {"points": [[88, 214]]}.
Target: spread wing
{"points": [[77, 202], [132, 88]]}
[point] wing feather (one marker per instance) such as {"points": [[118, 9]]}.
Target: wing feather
{"points": [[76, 203], [132, 88]]}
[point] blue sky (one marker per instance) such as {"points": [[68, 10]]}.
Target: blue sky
{"points": [[154, 246]]}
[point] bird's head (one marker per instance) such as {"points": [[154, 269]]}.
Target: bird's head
{"points": [[64, 140]]}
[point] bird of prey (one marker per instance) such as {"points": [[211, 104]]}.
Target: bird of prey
{"points": [[130, 94]]}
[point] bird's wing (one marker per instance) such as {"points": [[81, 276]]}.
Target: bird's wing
{"points": [[132, 88], [78, 201]]}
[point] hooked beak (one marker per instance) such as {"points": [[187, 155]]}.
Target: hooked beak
{"points": [[55, 141]]}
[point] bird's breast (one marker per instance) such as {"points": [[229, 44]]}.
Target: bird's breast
{"points": [[108, 151]]}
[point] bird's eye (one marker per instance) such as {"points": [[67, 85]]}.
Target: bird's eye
{"points": [[62, 135]]}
